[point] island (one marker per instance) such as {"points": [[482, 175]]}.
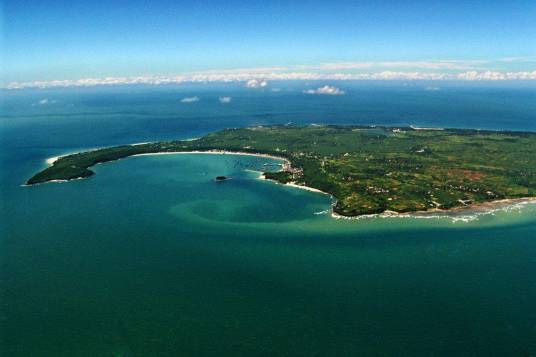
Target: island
{"points": [[367, 169]]}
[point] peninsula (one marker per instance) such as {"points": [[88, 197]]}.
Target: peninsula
{"points": [[366, 169]]}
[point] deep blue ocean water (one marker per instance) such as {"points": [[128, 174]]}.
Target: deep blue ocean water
{"points": [[151, 258]]}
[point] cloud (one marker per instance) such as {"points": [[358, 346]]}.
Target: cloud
{"points": [[256, 83], [432, 89], [496, 76], [44, 101], [190, 100], [255, 79], [326, 90], [225, 100]]}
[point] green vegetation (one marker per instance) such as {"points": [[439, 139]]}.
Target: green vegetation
{"points": [[280, 176], [367, 169]]}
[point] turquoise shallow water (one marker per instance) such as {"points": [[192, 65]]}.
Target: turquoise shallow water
{"points": [[150, 257]]}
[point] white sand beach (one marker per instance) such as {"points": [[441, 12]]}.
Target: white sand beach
{"points": [[216, 152], [51, 160]]}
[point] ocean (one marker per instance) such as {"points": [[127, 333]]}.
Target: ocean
{"points": [[151, 257]]}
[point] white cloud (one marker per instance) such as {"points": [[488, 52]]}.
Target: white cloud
{"points": [[225, 100], [190, 100], [326, 90], [495, 76], [256, 83], [44, 101], [259, 79]]}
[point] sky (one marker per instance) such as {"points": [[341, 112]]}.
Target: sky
{"points": [[76, 41]]}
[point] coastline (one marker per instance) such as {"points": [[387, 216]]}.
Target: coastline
{"points": [[306, 188], [216, 152], [472, 209], [292, 184], [54, 181], [51, 160]]}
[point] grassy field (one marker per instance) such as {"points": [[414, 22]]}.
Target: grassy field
{"points": [[367, 169]]}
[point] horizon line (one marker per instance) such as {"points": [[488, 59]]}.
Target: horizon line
{"points": [[255, 80]]}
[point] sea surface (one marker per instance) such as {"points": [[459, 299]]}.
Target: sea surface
{"points": [[151, 257]]}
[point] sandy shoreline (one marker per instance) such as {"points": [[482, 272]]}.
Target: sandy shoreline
{"points": [[474, 209], [290, 184], [307, 188], [216, 152], [51, 160]]}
